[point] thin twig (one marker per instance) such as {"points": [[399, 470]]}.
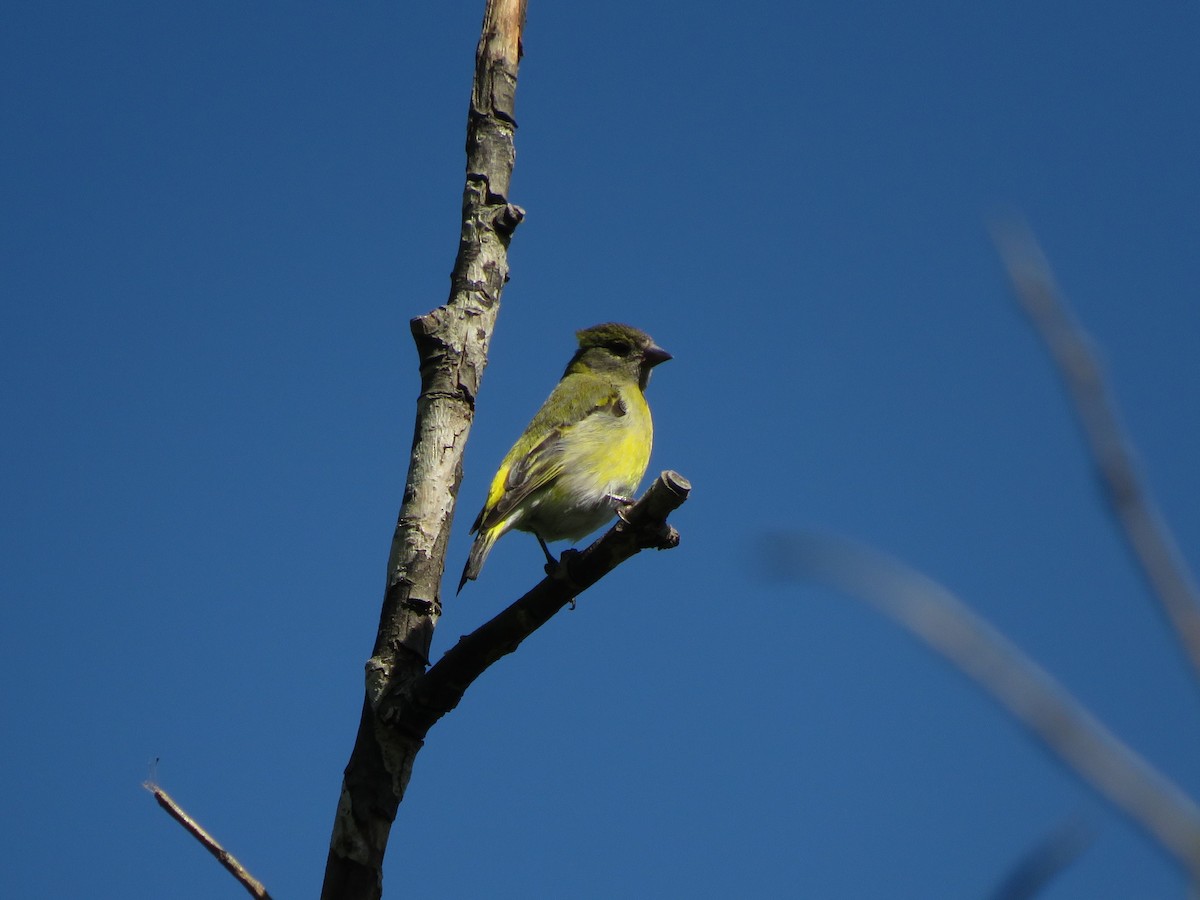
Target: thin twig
{"points": [[224, 857], [1149, 537], [1038, 702]]}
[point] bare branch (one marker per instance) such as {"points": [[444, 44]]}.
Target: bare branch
{"points": [[1039, 703], [1072, 350], [224, 857]]}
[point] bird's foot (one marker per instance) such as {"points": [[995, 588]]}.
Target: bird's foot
{"points": [[621, 505], [559, 570]]}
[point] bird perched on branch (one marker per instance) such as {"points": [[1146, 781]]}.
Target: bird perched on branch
{"points": [[584, 453]]}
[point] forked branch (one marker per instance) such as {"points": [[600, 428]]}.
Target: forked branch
{"points": [[643, 526]]}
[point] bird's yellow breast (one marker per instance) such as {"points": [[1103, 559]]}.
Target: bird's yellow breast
{"points": [[604, 457], [610, 453]]}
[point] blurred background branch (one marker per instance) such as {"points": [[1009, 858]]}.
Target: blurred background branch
{"points": [[932, 614], [1042, 864], [1074, 352]]}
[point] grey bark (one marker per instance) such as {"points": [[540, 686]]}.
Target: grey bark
{"points": [[452, 343]]}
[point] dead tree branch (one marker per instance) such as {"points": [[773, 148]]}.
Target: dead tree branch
{"points": [[402, 701], [452, 343]]}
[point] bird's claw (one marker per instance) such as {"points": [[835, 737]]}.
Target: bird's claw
{"points": [[621, 505]]}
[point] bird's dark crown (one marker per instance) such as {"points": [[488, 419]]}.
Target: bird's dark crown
{"points": [[621, 339], [613, 347]]}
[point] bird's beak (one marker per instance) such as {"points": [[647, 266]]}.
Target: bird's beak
{"points": [[654, 355]]}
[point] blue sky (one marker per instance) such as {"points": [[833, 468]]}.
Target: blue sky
{"points": [[217, 222]]}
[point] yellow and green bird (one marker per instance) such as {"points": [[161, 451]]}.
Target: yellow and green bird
{"points": [[585, 451]]}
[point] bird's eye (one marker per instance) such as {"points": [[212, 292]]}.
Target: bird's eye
{"points": [[620, 348]]}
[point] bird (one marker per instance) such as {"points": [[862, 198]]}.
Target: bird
{"points": [[584, 453]]}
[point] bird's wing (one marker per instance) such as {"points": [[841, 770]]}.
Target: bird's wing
{"points": [[527, 470]]}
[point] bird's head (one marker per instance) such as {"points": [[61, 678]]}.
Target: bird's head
{"points": [[617, 349]]}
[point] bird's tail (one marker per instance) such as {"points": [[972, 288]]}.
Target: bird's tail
{"points": [[479, 553]]}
